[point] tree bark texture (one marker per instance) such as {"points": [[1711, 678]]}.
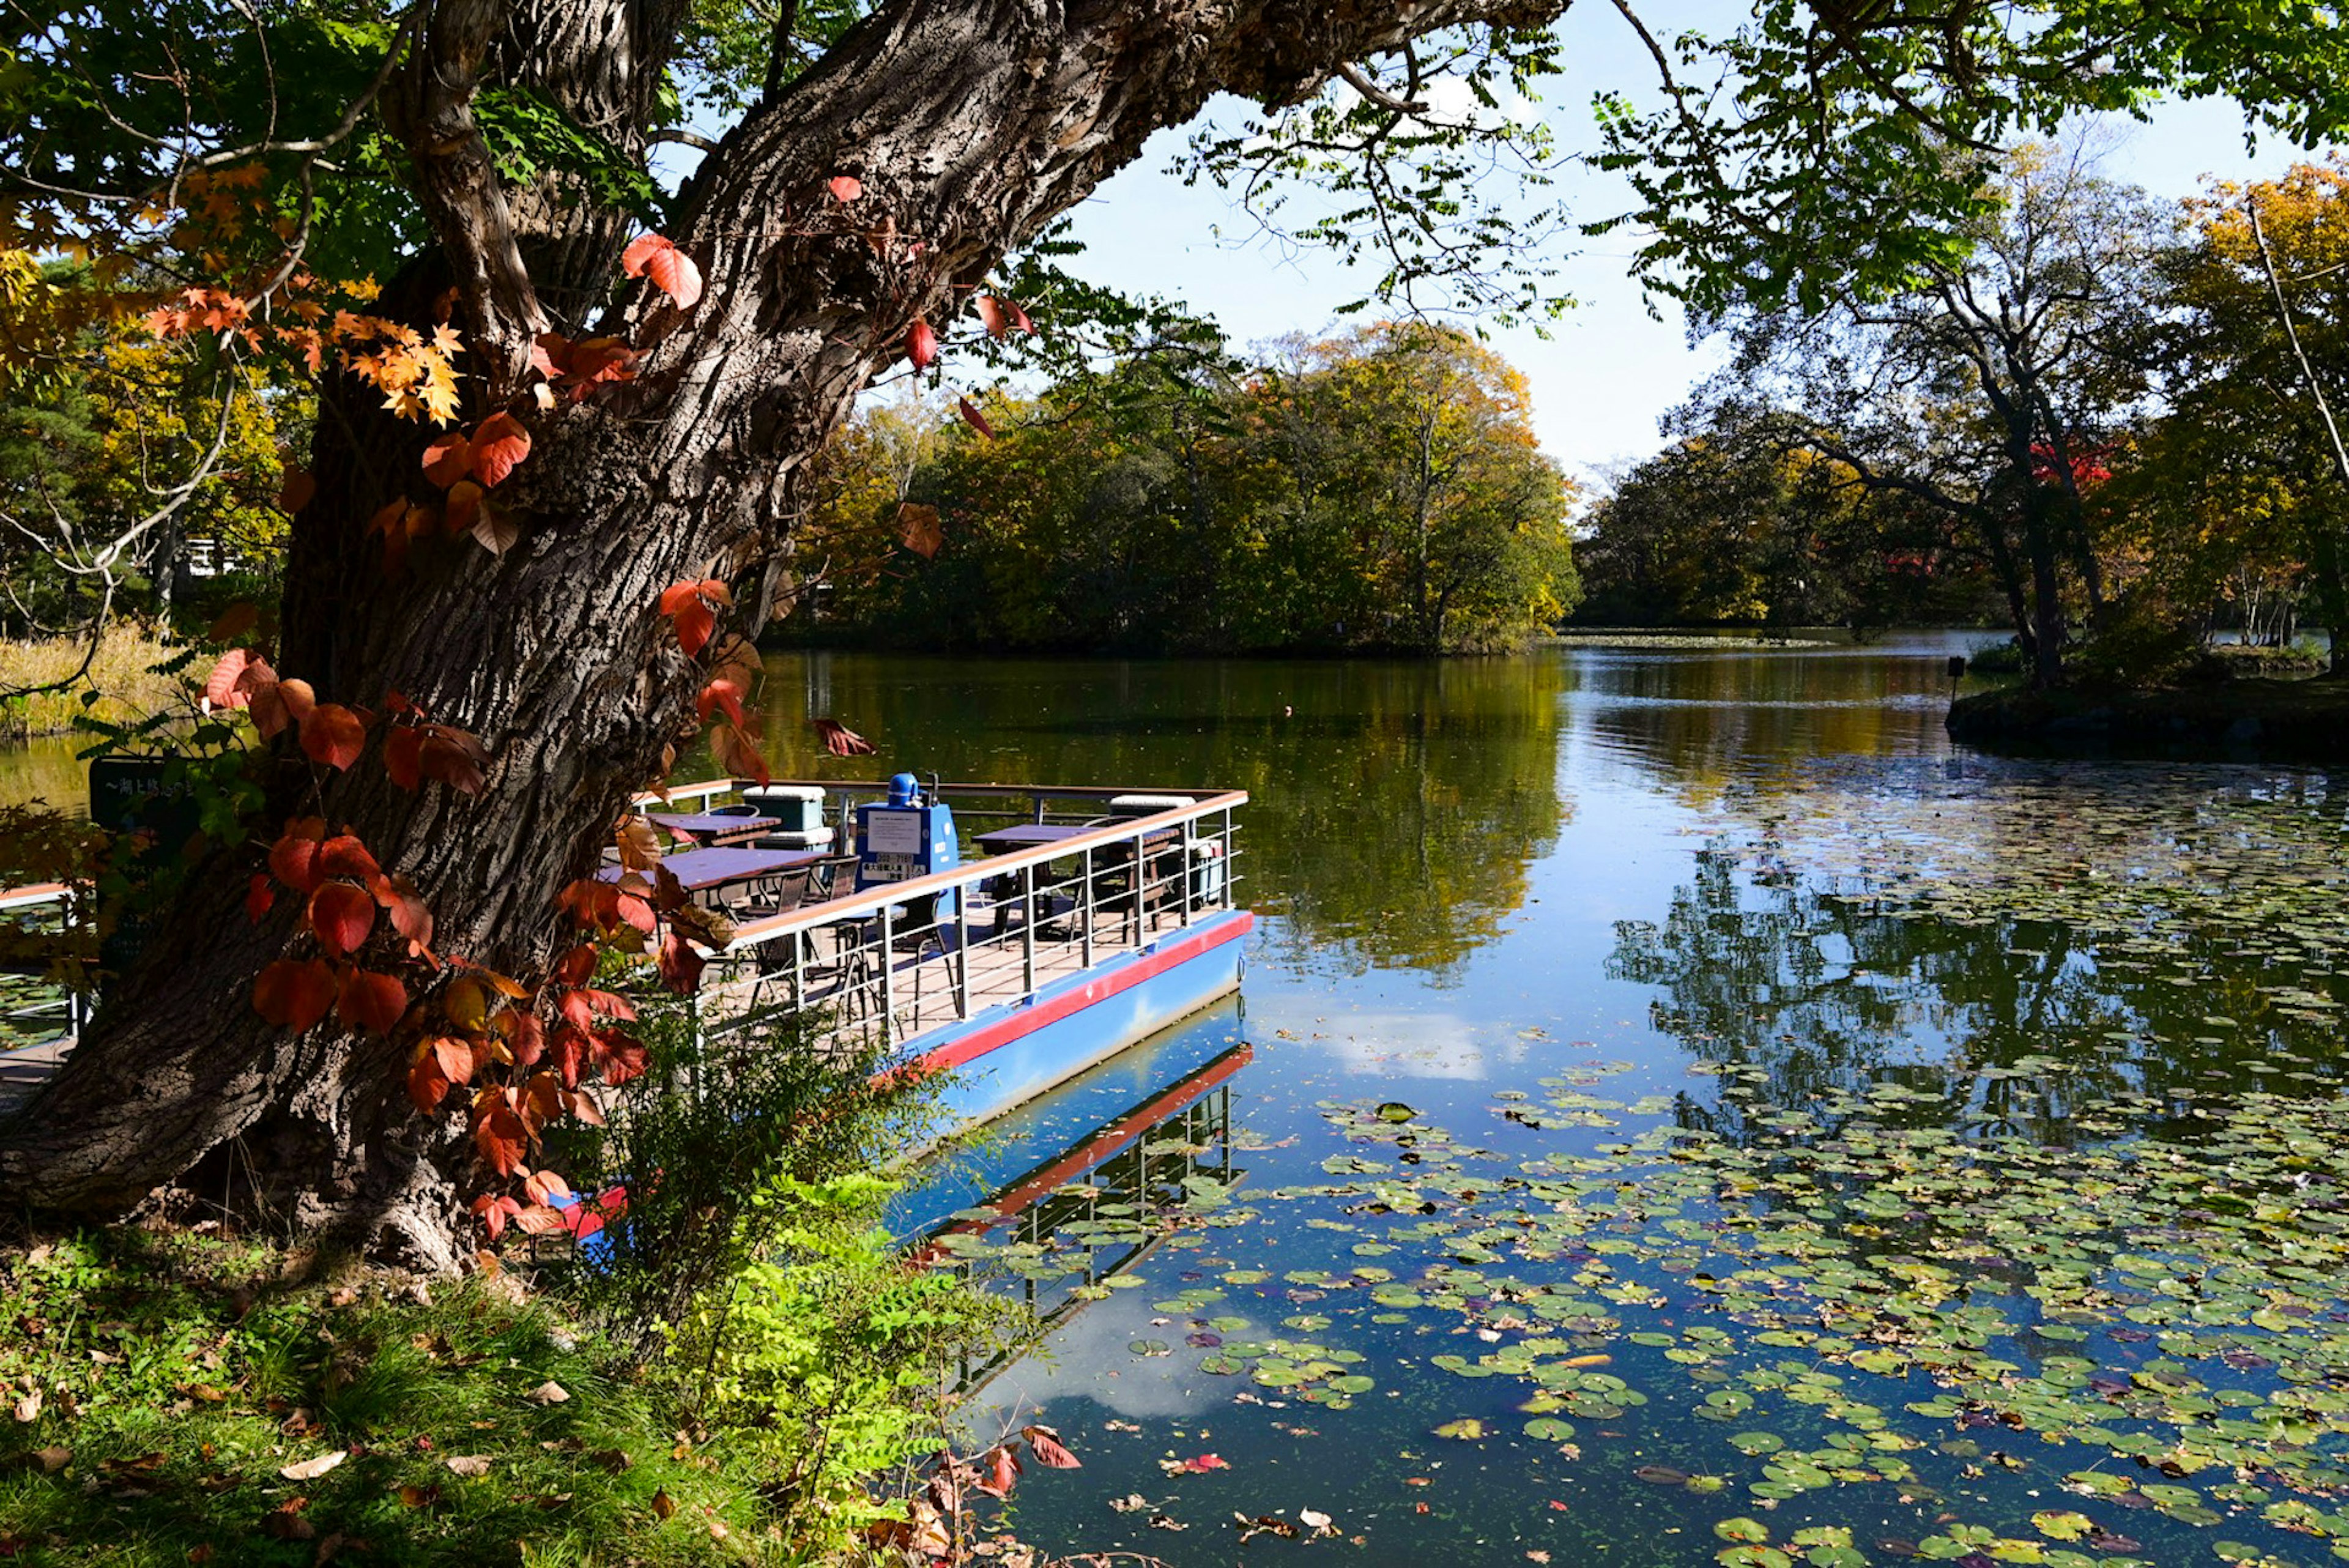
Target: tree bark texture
{"points": [[970, 126]]}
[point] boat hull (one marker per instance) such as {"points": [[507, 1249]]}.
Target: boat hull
{"points": [[1011, 1053]]}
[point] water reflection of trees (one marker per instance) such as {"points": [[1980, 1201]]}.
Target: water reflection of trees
{"points": [[1812, 994], [1398, 805], [1704, 723]]}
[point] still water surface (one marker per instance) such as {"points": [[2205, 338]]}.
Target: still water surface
{"points": [[1679, 1109], [1782, 1114]]}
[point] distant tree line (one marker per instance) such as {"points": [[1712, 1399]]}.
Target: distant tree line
{"points": [[2111, 420], [1380, 490]]}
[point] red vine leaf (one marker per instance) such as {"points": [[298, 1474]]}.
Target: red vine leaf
{"points": [[1045, 1444], [845, 188], [498, 447], [737, 754], [229, 685], [991, 313], [372, 1002], [333, 735], [721, 694], [345, 856], [409, 917], [670, 268], [297, 491], [454, 1057], [621, 1057], [426, 1086], [974, 419], [498, 1132], [403, 750], [1019, 317], [680, 964], [342, 916], [840, 739], [695, 622], [918, 530], [454, 757], [496, 529], [294, 994], [464, 504], [258, 896], [447, 460], [922, 345], [294, 857]]}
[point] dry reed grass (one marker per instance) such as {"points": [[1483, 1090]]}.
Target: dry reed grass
{"points": [[122, 674]]}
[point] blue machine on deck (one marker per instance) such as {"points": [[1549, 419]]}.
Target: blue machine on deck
{"points": [[912, 836]]}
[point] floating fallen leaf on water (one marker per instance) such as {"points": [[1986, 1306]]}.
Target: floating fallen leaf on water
{"points": [[1467, 1429], [311, 1470], [1197, 1465], [1662, 1475], [1131, 1502]]}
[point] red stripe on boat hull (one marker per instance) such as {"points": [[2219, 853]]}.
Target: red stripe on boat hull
{"points": [[1026, 1021]]}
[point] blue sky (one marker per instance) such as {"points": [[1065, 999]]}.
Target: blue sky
{"points": [[1609, 371]]}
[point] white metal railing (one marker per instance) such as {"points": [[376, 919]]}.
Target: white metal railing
{"points": [[34, 1008], [896, 960]]}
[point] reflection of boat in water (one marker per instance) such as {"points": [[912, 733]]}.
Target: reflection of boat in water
{"points": [[1100, 1155]]}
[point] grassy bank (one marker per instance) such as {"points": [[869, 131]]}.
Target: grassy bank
{"points": [[121, 673], [178, 1399], [2302, 720]]}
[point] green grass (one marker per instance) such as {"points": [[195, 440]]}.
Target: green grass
{"points": [[177, 1381]]}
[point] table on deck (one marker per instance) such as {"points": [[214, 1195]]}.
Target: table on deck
{"points": [[706, 870], [716, 827], [1005, 891]]}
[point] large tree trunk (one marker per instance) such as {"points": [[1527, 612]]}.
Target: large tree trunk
{"points": [[969, 125]]}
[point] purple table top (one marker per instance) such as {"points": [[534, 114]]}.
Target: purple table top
{"points": [[699, 869], [711, 821], [1029, 834]]}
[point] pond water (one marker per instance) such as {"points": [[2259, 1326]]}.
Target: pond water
{"points": [[1679, 1109]]}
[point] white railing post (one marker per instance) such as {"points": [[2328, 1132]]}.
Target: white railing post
{"points": [[1089, 908], [888, 985], [1027, 931]]}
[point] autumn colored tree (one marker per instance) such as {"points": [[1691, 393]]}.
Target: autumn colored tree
{"points": [[2239, 495], [1731, 524], [1987, 388], [1382, 489], [580, 414]]}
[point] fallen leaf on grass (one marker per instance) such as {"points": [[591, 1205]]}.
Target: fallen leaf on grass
{"points": [[53, 1459], [468, 1464], [663, 1505], [28, 1409], [311, 1470], [548, 1393]]}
